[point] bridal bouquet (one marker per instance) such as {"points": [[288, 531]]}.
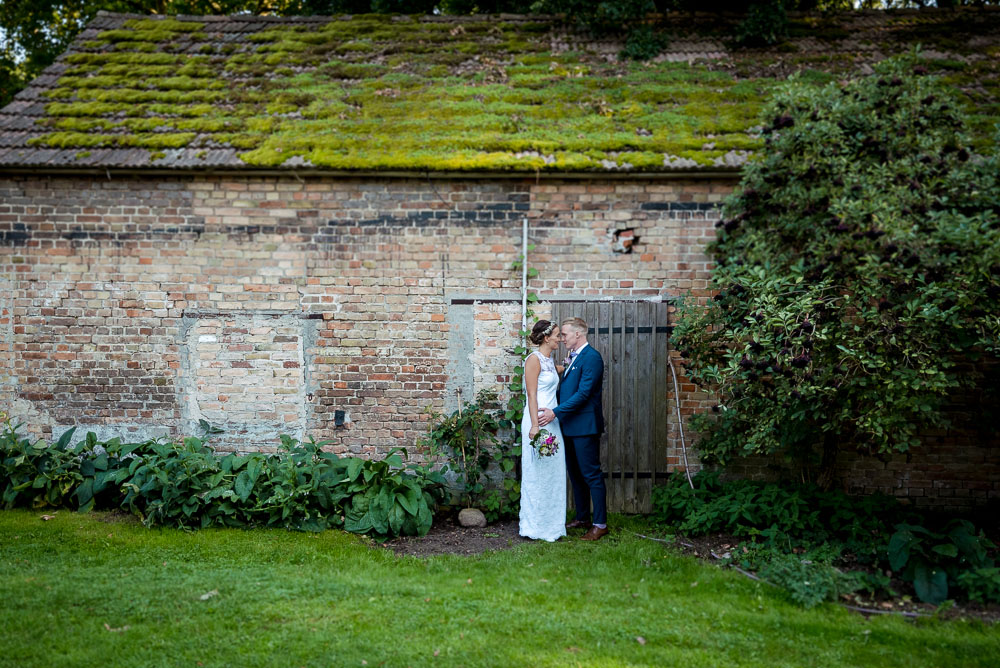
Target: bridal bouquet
{"points": [[545, 443]]}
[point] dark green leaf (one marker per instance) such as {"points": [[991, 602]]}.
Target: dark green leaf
{"points": [[354, 467], [85, 493], [931, 584], [243, 486], [899, 549], [946, 549], [65, 438]]}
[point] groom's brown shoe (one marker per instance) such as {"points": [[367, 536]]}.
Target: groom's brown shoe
{"points": [[578, 524], [594, 533]]}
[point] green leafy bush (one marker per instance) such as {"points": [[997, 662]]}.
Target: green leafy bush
{"points": [[797, 534], [38, 475], [765, 23], [874, 583], [609, 17], [643, 43], [981, 584], [189, 485], [857, 270], [780, 515], [932, 560], [470, 440], [601, 18], [808, 575], [387, 501], [808, 582]]}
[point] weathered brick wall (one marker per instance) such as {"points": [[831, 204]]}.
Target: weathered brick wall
{"points": [[952, 471], [138, 306], [330, 307]]}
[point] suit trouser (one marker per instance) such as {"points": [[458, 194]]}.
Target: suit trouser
{"points": [[583, 462]]}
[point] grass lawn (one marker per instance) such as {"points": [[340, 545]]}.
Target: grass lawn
{"points": [[82, 591]]}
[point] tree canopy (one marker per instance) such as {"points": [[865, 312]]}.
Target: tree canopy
{"points": [[858, 274]]}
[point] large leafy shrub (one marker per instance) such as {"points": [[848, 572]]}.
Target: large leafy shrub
{"points": [[858, 274], [934, 560], [808, 582], [779, 515], [36, 474], [188, 484], [483, 462], [387, 501], [981, 584], [796, 535]]}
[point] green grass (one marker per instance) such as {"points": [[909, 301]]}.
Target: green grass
{"points": [[332, 599]]}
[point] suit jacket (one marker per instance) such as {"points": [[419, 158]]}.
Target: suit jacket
{"points": [[580, 391]]}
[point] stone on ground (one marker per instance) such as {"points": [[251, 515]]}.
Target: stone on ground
{"points": [[471, 517]]}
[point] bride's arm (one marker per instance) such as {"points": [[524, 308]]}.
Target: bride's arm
{"points": [[532, 368]]}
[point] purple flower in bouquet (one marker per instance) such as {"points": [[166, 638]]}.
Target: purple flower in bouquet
{"points": [[545, 443]]}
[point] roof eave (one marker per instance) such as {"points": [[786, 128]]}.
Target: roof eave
{"points": [[111, 172]]}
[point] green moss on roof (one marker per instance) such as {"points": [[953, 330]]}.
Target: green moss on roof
{"points": [[391, 93]]}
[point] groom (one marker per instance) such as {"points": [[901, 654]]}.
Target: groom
{"points": [[582, 422]]}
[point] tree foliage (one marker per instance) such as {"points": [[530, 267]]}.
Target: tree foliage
{"points": [[858, 273]]}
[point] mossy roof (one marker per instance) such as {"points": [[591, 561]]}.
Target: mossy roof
{"points": [[451, 94]]}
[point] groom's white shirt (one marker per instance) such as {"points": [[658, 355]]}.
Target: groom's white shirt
{"points": [[578, 351]]}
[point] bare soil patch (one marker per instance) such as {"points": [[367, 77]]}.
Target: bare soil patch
{"points": [[448, 537]]}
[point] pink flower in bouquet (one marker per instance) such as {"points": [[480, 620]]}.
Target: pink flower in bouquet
{"points": [[545, 443]]}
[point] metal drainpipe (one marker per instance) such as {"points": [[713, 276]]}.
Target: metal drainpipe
{"points": [[524, 279]]}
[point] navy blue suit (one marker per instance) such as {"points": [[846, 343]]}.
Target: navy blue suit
{"points": [[581, 419]]}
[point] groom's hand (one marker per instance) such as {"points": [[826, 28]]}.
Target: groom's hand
{"points": [[545, 416]]}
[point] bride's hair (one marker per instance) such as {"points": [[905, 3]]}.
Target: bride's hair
{"points": [[541, 329]]}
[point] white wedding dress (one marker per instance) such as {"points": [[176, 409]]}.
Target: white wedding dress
{"points": [[543, 479]]}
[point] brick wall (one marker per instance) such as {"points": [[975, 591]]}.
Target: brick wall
{"points": [[327, 307], [140, 305], [953, 470]]}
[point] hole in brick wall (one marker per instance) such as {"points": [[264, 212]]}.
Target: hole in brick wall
{"points": [[625, 240]]}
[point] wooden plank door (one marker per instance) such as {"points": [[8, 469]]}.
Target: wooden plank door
{"points": [[632, 338]]}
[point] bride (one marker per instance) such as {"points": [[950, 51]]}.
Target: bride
{"points": [[543, 478]]}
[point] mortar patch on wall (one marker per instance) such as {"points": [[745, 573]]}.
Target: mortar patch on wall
{"points": [[246, 374]]}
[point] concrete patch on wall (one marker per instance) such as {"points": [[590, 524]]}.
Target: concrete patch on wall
{"points": [[8, 380], [461, 355], [246, 374], [496, 328]]}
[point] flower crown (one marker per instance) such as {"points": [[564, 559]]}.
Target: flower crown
{"points": [[549, 329]]}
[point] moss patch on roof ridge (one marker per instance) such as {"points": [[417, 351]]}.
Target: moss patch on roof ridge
{"points": [[404, 93]]}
